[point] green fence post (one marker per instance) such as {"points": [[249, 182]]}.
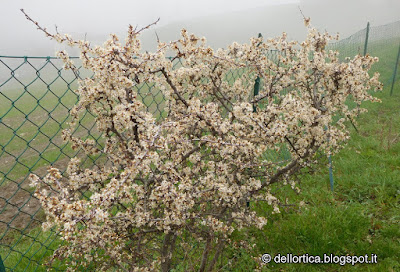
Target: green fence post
{"points": [[256, 85], [366, 40], [2, 268], [395, 71], [330, 172], [330, 165], [256, 91]]}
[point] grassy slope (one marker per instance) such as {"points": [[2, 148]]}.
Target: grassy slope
{"points": [[30, 139], [360, 217]]}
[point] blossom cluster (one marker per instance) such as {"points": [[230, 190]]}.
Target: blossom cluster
{"points": [[189, 177]]}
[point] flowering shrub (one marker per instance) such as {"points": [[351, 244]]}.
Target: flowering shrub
{"points": [[187, 178]]}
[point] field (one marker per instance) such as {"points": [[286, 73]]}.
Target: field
{"points": [[35, 99], [360, 217]]}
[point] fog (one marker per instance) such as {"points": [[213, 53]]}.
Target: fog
{"points": [[222, 22], [349, 16]]}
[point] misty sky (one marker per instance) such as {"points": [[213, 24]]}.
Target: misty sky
{"points": [[237, 19], [106, 16]]}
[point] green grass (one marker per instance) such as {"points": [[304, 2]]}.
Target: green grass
{"points": [[31, 122], [29, 252], [361, 216]]}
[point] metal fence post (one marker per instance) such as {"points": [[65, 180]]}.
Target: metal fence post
{"points": [[2, 268], [330, 172], [256, 91], [395, 71], [256, 85], [330, 165], [366, 40]]}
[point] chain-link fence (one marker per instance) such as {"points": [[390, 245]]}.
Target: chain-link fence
{"points": [[36, 95], [380, 41]]}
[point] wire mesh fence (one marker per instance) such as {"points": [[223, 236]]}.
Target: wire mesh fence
{"points": [[379, 41], [36, 95]]}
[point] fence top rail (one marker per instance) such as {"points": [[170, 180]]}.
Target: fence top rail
{"points": [[33, 57], [48, 57], [75, 57]]}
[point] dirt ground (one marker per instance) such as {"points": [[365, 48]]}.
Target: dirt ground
{"points": [[19, 209]]}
